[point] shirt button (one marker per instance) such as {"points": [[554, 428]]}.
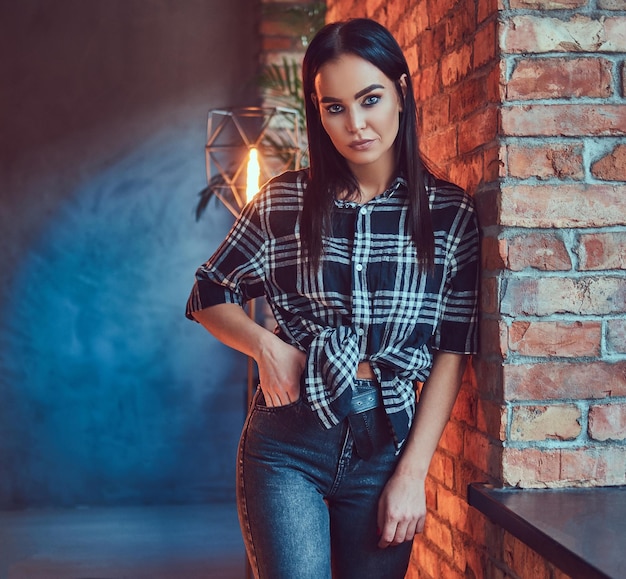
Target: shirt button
{"points": [[360, 331], [359, 267], [363, 210]]}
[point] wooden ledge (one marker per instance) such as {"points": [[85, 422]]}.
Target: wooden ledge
{"points": [[582, 531]]}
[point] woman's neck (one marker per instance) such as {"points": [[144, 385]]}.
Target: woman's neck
{"points": [[371, 186], [373, 179]]}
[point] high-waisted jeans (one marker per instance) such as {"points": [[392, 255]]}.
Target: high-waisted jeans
{"points": [[308, 502]]}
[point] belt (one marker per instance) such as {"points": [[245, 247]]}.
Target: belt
{"points": [[364, 401], [366, 396]]}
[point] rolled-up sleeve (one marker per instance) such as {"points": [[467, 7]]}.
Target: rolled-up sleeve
{"points": [[235, 272]]}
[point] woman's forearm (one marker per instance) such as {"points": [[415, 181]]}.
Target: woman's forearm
{"points": [[280, 365], [232, 326], [433, 412]]}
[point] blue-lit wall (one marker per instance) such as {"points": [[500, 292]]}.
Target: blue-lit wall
{"points": [[107, 394]]}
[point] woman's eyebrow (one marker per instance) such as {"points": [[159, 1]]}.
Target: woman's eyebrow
{"points": [[370, 88]]}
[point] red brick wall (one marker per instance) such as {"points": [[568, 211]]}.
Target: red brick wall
{"points": [[523, 103], [561, 248], [285, 26]]}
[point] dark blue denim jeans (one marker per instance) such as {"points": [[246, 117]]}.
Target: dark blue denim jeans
{"points": [[307, 500]]}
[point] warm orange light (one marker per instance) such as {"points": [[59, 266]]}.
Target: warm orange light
{"points": [[254, 174]]}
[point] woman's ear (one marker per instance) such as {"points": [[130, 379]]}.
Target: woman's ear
{"points": [[314, 100], [403, 87]]}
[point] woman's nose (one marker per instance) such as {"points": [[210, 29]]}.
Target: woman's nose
{"points": [[355, 120]]}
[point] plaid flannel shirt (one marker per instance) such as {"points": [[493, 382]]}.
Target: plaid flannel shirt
{"points": [[367, 302]]}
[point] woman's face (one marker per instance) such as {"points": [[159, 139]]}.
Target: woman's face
{"points": [[359, 109]]}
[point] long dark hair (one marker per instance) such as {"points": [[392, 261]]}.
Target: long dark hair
{"points": [[329, 173]]}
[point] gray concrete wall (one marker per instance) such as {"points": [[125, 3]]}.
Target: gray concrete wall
{"points": [[107, 394]]}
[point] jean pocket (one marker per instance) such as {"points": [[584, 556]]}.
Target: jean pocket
{"points": [[260, 404]]}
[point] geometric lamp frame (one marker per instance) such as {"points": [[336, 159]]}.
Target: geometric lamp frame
{"points": [[232, 132]]}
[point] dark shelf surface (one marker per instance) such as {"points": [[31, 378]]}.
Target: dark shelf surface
{"points": [[580, 530]]}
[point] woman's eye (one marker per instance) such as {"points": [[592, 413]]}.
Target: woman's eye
{"points": [[371, 100], [334, 109]]}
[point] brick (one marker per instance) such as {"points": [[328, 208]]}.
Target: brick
{"points": [[428, 82], [530, 467], [611, 167], [451, 507], [540, 423], [431, 493], [571, 467], [487, 9], [562, 206], [545, 161], [456, 65], [522, 560], [474, 526], [545, 296], [442, 469], [452, 439], [450, 572], [564, 380], [468, 170], [488, 203], [478, 130], [441, 145], [491, 419], [547, 4], [420, 15], [475, 563], [607, 422], [440, 8], [599, 251], [273, 44], [464, 410], [467, 97], [493, 338], [489, 376], [491, 165], [594, 466], [541, 251], [545, 78], [439, 534], [616, 336], [539, 34], [276, 25], [493, 253], [432, 44], [558, 574], [495, 90], [489, 295], [485, 48], [566, 120], [460, 24], [423, 561], [562, 339], [435, 114], [482, 452], [612, 4]]}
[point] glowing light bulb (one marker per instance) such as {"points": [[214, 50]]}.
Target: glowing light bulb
{"points": [[253, 175]]}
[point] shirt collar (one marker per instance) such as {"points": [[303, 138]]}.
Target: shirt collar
{"points": [[396, 184]]}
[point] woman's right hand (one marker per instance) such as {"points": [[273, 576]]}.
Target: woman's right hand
{"points": [[280, 370], [280, 364]]}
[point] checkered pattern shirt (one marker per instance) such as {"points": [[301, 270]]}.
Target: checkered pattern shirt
{"points": [[367, 302]]}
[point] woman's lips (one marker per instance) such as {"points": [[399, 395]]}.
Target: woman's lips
{"points": [[362, 145]]}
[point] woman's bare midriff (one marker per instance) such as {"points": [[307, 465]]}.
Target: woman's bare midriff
{"points": [[364, 371]]}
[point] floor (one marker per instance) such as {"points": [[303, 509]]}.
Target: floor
{"points": [[170, 542]]}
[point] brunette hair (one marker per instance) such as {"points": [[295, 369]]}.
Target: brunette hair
{"points": [[329, 173]]}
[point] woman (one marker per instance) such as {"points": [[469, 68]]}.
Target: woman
{"points": [[369, 264]]}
